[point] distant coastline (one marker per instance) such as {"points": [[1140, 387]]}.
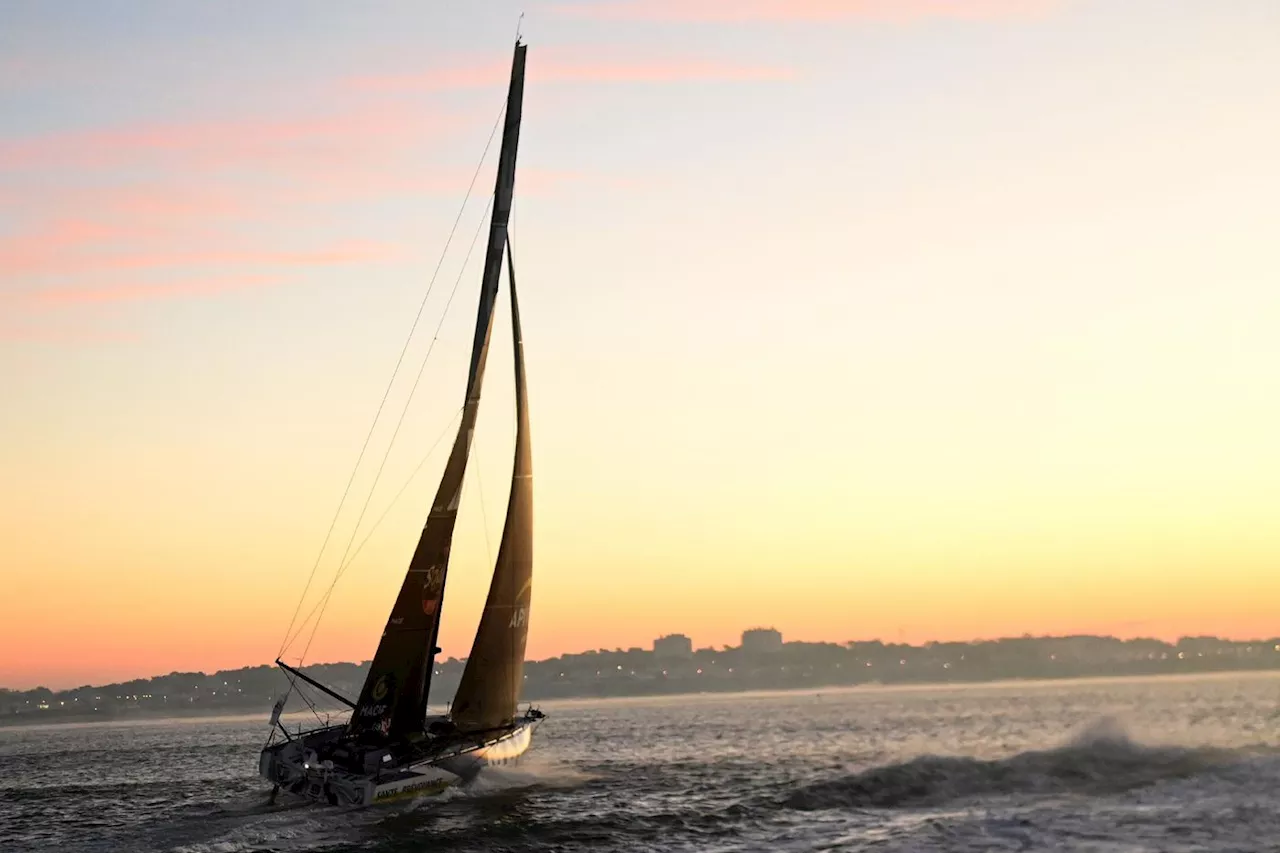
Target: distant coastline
{"points": [[260, 711], [672, 670]]}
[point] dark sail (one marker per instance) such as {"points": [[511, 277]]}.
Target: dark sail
{"points": [[393, 701], [491, 680]]}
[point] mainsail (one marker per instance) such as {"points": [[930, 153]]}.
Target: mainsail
{"points": [[490, 686], [393, 701]]}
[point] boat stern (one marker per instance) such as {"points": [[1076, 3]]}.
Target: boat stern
{"points": [[293, 766]]}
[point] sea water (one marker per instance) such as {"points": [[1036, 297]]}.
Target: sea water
{"points": [[1121, 766]]}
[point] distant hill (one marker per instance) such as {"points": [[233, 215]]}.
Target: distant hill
{"points": [[638, 672]]}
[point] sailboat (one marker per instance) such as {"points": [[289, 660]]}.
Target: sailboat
{"points": [[391, 747]]}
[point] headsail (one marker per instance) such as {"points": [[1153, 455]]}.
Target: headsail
{"points": [[491, 680], [393, 700]]}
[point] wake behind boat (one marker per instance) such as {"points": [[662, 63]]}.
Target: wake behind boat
{"points": [[390, 748]]}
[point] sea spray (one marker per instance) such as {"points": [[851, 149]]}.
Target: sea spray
{"points": [[1100, 759], [534, 771]]}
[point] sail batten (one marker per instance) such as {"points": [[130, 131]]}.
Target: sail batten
{"points": [[393, 700]]}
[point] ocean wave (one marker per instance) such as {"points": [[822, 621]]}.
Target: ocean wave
{"points": [[1102, 759]]}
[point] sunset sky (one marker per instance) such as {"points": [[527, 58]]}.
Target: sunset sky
{"points": [[899, 319]]}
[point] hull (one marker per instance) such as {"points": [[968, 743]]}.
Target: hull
{"points": [[298, 766], [422, 782]]}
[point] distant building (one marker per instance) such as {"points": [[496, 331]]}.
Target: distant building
{"points": [[761, 640], [673, 646]]}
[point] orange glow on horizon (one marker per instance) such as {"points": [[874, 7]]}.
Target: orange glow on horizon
{"points": [[897, 319]]}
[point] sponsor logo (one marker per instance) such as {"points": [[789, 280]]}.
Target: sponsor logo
{"points": [[432, 579], [432, 586], [430, 786], [381, 698]]}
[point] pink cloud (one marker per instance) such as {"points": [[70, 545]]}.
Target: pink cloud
{"points": [[81, 219], [726, 11], [216, 144], [67, 297], [22, 253], [553, 70], [154, 204], [75, 246], [61, 334], [168, 203], [190, 201]]}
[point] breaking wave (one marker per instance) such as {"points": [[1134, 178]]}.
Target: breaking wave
{"points": [[1102, 759]]}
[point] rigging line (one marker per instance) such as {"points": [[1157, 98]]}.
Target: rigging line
{"points": [[345, 562], [394, 373], [312, 706], [302, 694], [436, 337], [342, 569]]}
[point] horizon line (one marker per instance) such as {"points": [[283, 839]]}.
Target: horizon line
{"points": [[1273, 640]]}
